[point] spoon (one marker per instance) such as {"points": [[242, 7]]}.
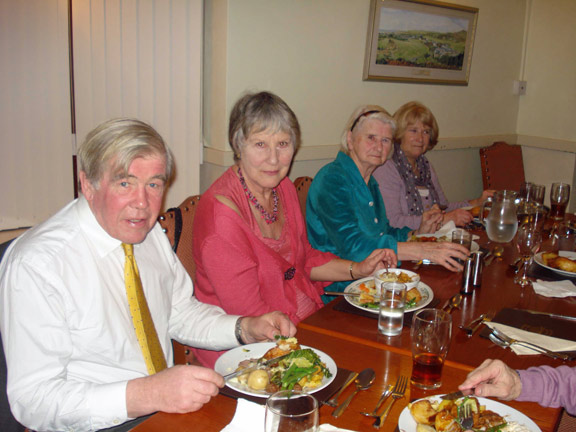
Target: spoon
{"points": [[364, 381], [496, 253], [454, 302]]}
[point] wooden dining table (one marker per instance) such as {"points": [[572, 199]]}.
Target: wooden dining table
{"points": [[352, 339]]}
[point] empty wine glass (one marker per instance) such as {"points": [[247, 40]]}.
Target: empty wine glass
{"points": [[291, 411], [528, 241]]}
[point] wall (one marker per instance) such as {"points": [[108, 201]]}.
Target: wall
{"points": [[311, 54]]}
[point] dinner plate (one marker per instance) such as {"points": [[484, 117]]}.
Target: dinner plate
{"points": [[567, 254], [425, 290], [474, 247], [228, 362], [406, 422]]}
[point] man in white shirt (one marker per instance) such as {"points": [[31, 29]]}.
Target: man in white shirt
{"points": [[74, 361]]}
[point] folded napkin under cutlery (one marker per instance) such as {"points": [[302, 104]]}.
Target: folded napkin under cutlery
{"points": [[249, 417], [564, 288], [548, 342]]}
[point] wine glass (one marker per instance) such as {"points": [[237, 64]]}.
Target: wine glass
{"points": [[291, 411], [528, 241]]}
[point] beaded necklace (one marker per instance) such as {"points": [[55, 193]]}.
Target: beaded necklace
{"points": [[268, 218]]}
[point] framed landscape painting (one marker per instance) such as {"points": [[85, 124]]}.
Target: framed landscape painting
{"points": [[421, 41]]}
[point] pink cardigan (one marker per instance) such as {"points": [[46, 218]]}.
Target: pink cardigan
{"points": [[236, 270]]}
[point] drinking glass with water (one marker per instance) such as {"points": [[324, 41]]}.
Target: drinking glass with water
{"points": [[392, 303]]}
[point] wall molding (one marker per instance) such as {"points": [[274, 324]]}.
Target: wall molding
{"points": [[225, 158]]}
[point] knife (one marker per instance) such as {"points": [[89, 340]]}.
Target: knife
{"points": [[338, 293], [333, 402], [258, 365], [452, 396], [553, 315]]}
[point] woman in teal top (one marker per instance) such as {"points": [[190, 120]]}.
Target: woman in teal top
{"points": [[345, 213]]}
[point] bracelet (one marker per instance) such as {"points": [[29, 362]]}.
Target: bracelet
{"points": [[351, 274], [238, 331]]}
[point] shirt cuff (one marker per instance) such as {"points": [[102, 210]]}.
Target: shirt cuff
{"points": [[108, 405]]}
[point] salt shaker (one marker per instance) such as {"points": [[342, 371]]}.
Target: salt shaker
{"points": [[478, 266], [468, 276]]}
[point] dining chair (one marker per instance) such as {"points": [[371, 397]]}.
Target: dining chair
{"points": [[302, 185], [7, 421], [177, 224], [502, 166]]}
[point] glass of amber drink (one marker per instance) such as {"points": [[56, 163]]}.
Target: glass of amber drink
{"points": [[431, 333]]}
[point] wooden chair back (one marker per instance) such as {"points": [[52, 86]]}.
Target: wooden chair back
{"points": [[177, 223], [502, 166], [302, 185]]}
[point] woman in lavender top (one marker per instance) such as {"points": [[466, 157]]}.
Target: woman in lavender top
{"points": [[548, 386], [408, 182]]}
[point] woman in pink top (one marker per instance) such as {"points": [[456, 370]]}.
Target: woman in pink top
{"points": [[250, 244]]}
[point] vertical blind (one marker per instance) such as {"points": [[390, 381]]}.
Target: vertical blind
{"points": [[131, 58]]}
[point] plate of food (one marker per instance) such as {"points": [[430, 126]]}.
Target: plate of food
{"points": [[367, 299], [432, 414], [563, 262], [304, 368], [475, 247]]}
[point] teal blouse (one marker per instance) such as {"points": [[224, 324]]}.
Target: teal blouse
{"points": [[346, 216]]}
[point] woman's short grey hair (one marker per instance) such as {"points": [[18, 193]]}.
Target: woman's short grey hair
{"points": [[257, 112], [411, 113], [359, 116], [119, 142]]}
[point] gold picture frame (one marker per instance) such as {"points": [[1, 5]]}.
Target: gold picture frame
{"points": [[420, 41]]}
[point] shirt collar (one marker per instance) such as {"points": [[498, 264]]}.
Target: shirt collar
{"points": [[95, 234]]}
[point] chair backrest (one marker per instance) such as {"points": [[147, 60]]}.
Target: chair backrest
{"points": [[7, 421], [502, 166], [302, 185], [177, 224]]}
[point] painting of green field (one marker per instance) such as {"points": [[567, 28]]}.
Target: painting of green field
{"points": [[422, 49]]}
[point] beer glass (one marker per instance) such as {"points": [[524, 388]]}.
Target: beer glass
{"points": [[559, 197], [431, 333]]}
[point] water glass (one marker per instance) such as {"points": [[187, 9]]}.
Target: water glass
{"points": [[463, 237], [392, 303], [431, 333], [565, 237], [528, 241], [291, 411], [559, 197]]}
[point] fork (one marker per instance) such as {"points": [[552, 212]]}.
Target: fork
{"points": [[397, 393], [467, 420], [511, 341]]}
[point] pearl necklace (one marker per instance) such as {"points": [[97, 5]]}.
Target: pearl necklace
{"points": [[268, 218]]}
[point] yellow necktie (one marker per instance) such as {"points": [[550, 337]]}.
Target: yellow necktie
{"points": [[141, 318]]}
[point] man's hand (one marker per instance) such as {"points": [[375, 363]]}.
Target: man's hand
{"points": [[179, 389], [266, 327], [493, 378]]}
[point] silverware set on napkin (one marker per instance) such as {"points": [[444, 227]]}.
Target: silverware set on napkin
{"points": [[505, 341]]}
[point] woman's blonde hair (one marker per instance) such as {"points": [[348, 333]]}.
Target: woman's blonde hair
{"points": [[411, 113]]}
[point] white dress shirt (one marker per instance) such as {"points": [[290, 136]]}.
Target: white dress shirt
{"points": [[68, 336]]}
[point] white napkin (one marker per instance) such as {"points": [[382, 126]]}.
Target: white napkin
{"points": [[551, 343], [447, 229], [563, 288], [249, 417]]}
